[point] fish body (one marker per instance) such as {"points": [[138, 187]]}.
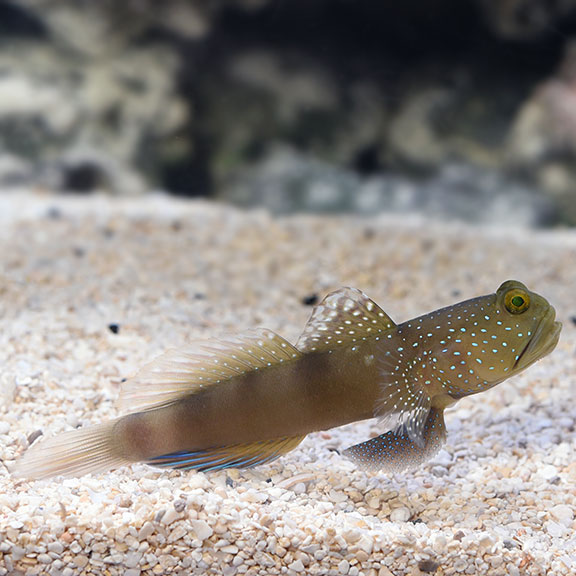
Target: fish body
{"points": [[248, 399], [310, 393]]}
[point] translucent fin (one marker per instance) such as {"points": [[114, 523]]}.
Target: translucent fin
{"points": [[71, 454], [234, 456], [343, 317], [179, 373], [404, 400], [403, 403], [395, 451]]}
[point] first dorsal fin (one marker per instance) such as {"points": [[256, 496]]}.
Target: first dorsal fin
{"points": [[181, 372], [343, 317]]}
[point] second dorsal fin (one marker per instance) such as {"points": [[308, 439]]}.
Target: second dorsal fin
{"points": [[178, 373], [342, 318]]}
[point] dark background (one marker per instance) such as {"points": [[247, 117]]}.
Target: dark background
{"points": [[460, 109]]}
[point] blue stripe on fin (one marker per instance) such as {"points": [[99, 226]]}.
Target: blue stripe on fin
{"points": [[233, 456]]}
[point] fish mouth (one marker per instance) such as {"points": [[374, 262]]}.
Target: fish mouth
{"points": [[542, 343]]}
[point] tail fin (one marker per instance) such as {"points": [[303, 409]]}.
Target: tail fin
{"points": [[395, 451], [72, 454]]}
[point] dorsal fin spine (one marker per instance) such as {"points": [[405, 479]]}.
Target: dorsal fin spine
{"points": [[344, 317]]}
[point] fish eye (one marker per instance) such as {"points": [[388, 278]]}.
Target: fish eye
{"points": [[516, 301]]}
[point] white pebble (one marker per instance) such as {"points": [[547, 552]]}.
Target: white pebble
{"points": [[351, 536], [460, 565], [72, 420], [401, 514], [4, 427], [254, 496], [296, 566], [337, 496], [81, 561], [344, 566], [373, 503], [554, 529], [202, 529], [485, 541], [132, 559], [56, 547], [443, 458], [291, 481], [146, 531], [548, 472], [366, 544], [170, 516], [563, 514], [44, 559], [439, 544], [299, 488]]}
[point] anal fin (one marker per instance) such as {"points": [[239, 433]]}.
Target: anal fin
{"points": [[233, 456], [395, 451]]}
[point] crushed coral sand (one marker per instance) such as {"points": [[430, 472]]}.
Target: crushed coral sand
{"points": [[92, 288]]}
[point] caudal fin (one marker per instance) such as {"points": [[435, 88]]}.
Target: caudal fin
{"points": [[396, 451], [72, 454]]}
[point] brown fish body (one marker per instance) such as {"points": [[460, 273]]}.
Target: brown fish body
{"points": [[313, 392], [248, 399]]}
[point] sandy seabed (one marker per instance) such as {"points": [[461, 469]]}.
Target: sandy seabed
{"points": [[92, 288]]}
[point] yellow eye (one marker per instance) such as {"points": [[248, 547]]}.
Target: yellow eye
{"points": [[516, 301]]}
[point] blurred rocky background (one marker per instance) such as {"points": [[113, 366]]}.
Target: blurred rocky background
{"points": [[458, 108]]}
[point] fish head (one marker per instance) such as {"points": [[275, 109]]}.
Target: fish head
{"points": [[523, 329]]}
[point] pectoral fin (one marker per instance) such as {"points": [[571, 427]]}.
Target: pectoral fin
{"points": [[234, 456], [403, 403], [395, 451]]}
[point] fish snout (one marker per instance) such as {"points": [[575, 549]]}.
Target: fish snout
{"points": [[543, 341], [551, 325]]}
